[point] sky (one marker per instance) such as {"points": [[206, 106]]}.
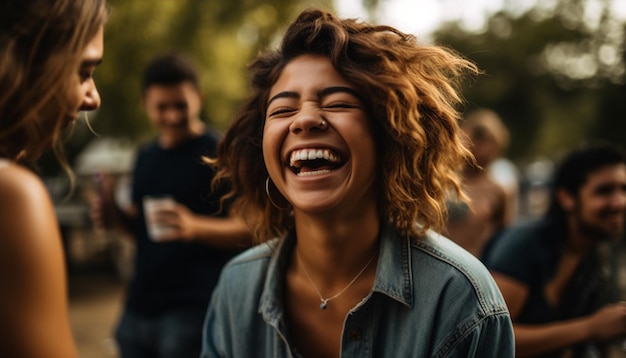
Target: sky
{"points": [[421, 17]]}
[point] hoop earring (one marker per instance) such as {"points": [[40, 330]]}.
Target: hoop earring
{"points": [[269, 196]]}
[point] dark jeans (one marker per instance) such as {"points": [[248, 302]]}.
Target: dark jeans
{"points": [[175, 334]]}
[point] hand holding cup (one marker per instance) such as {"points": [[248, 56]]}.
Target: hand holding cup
{"points": [[156, 209]]}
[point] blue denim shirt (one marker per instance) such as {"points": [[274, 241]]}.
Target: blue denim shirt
{"points": [[430, 299]]}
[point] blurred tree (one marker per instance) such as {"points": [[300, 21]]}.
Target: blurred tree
{"points": [[555, 73]]}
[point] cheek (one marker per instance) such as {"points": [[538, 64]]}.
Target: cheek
{"points": [[594, 206], [364, 144], [76, 95], [271, 146]]}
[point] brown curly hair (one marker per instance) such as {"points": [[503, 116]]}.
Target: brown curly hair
{"points": [[411, 97]]}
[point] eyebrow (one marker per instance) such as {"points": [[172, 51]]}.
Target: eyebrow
{"points": [[91, 62], [320, 94]]}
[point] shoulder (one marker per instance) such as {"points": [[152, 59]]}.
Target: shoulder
{"points": [[28, 225], [241, 283], [457, 271], [255, 255], [208, 142], [437, 250], [20, 186], [518, 240], [33, 273], [457, 298], [212, 135], [524, 252], [149, 146], [247, 268]]}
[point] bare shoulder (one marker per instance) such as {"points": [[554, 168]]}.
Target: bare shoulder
{"points": [[25, 207], [17, 182], [32, 272]]}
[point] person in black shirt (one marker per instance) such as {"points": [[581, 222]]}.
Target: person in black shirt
{"points": [[174, 276], [554, 273]]}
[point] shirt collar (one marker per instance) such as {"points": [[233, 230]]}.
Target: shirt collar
{"points": [[393, 274]]}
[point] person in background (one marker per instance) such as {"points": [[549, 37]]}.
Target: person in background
{"points": [[343, 154], [49, 50], [175, 273], [554, 272], [490, 209]]}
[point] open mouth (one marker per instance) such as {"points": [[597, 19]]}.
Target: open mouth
{"points": [[314, 161]]}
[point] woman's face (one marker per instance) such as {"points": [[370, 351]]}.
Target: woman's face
{"points": [[86, 96], [82, 92], [318, 144]]}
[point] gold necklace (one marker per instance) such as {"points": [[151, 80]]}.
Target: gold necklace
{"points": [[324, 301]]}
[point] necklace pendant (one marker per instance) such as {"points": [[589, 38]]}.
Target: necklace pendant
{"points": [[324, 304]]}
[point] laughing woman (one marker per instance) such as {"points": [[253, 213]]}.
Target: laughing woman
{"points": [[48, 52], [343, 156]]}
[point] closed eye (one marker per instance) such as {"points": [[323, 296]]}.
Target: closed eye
{"points": [[341, 105], [281, 111]]}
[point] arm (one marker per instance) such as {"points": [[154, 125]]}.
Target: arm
{"points": [[229, 232], [33, 303], [104, 209], [605, 324]]}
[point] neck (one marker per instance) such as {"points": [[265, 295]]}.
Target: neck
{"points": [[578, 242], [333, 249]]}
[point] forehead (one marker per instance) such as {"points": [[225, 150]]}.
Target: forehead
{"points": [[183, 91], [95, 48], [308, 71], [613, 175]]}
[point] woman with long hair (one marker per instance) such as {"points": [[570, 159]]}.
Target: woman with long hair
{"points": [[49, 50]]}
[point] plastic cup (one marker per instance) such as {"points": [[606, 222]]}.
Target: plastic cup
{"points": [[152, 205]]}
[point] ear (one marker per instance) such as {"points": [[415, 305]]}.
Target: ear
{"points": [[565, 199]]}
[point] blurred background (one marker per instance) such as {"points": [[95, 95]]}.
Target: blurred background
{"points": [[553, 69]]}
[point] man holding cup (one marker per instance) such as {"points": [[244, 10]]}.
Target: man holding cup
{"points": [[182, 237]]}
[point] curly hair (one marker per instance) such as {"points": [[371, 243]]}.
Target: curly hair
{"points": [[41, 43], [411, 93]]}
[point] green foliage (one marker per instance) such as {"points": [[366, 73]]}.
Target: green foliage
{"points": [[547, 74]]}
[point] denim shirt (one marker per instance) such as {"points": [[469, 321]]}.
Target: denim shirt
{"points": [[430, 299]]}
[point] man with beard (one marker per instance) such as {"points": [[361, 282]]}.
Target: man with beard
{"points": [[555, 274]]}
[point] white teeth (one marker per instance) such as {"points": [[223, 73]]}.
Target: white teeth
{"points": [[315, 172], [312, 154]]}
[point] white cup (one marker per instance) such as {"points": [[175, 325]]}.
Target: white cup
{"points": [[152, 205]]}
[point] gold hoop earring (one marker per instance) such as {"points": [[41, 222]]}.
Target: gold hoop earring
{"points": [[269, 196]]}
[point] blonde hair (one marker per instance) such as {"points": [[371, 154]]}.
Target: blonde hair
{"points": [[410, 91], [41, 44]]}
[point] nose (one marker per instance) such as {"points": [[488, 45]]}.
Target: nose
{"points": [[91, 101], [172, 115], [308, 120]]}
